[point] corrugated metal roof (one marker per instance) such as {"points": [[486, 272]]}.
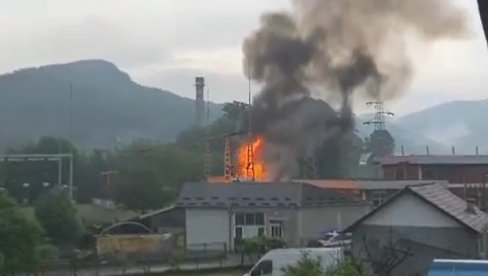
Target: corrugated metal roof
{"points": [[452, 205], [435, 159], [259, 194], [397, 184], [369, 184]]}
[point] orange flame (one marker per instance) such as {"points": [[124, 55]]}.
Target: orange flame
{"points": [[243, 163]]}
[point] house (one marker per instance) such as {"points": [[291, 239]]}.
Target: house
{"points": [[227, 213], [417, 225], [453, 168]]}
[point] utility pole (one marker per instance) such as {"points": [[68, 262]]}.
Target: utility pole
{"points": [[70, 139], [250, 151]]}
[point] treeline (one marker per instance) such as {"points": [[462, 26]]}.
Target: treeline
{"points": [[147, 174]]}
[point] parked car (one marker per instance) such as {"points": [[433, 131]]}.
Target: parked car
{"points": [[336, 239]]}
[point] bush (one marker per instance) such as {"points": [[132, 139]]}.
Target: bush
{"points": [[308, 266], [56, 213], [47, 252]]}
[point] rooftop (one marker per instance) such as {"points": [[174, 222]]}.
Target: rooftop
{"points": [[369, 184], [445, 201], [435, 159], [452, 205], [259, 194]]}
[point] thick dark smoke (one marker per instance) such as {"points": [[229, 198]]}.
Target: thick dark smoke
{"points": [[341, 47]]}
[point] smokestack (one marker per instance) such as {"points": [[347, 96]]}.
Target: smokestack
{"points": [[199, 101], [453, 149], [477, 150], [427, 151], [338, 48], [403, 151]]}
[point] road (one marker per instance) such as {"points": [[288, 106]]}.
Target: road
{"points": [[233, 260]]}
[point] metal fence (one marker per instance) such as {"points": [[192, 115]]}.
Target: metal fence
{"points": [[191, 257]]}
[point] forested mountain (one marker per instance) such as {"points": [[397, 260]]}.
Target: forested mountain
{"points": [[107, 107]]}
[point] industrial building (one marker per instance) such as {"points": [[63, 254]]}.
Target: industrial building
{"points": [[453, 168], [227, 213]]}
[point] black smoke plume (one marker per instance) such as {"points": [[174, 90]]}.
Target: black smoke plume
{"points": [[340, 47]]}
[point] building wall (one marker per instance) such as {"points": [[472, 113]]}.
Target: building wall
{"points": [[315, 221], [409, 224], [207, 226], [423, 244], [166, 221], [400, 172], [287, 216], [453, 173], [409, 210]]}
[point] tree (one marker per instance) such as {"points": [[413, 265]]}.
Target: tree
{"points": [[57, 215], [88, 176], [151, 174], [236, 111], [308, 266], [139, 190], [381, 143], [19, 238], [235, 118], [338, 156]]}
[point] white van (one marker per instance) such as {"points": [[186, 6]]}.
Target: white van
{"points": [[274, 261]]}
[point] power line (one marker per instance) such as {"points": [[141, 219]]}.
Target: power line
{"points": [[378, 120]]}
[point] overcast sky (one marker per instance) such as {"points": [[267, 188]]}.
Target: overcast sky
{"points": [[166, 43]]}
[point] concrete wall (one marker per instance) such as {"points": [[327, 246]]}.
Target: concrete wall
{"points": [[316, 220], [207, 226]]}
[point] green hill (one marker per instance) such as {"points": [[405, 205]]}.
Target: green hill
{"points": [[107, 107]]}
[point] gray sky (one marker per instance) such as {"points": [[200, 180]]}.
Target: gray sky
{"points": [[166, 43]]}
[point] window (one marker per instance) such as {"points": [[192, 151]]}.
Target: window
{"points": [[265, 267], [250, 219], [259, 219], [261, 231], [276, 229], [239, 219], [238, 233], [378, 198]]}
